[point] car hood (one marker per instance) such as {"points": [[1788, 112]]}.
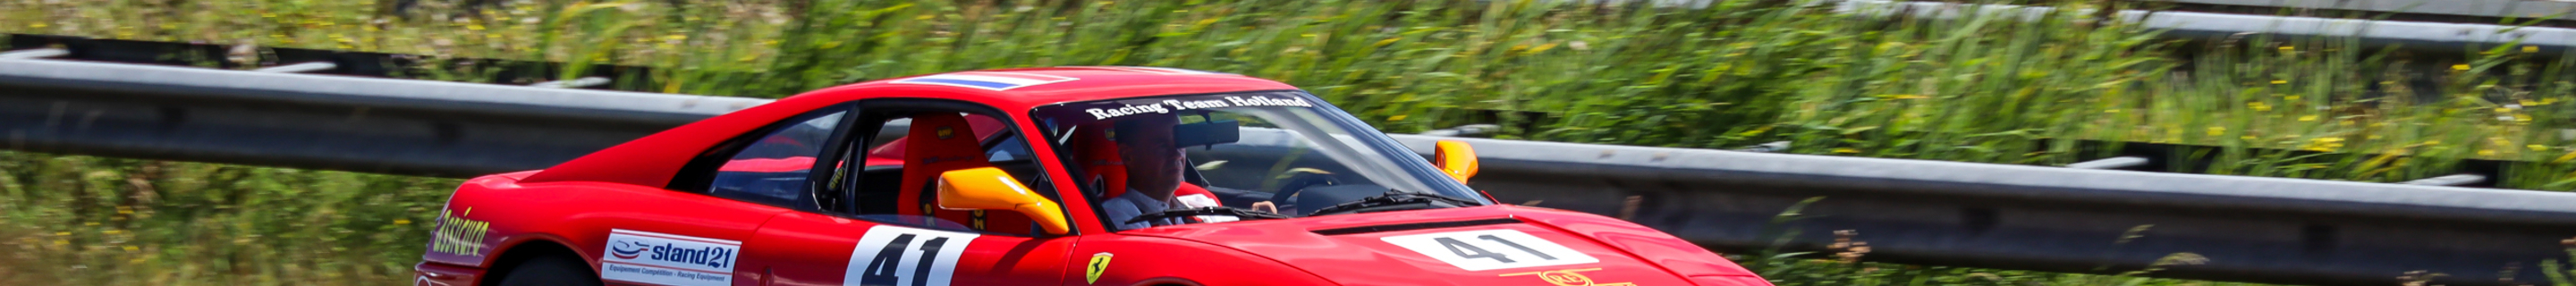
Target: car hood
{"points": [[1492, 245]]}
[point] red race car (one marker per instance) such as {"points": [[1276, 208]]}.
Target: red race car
{"points": [[1046, 176]]}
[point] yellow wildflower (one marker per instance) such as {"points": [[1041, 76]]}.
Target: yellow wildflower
{"points": [[2259, 106], [2215, 131], [2460, 67], [1846, 151], [2324, 144], [2308, 118]]}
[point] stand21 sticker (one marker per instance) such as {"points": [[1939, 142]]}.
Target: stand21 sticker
{"points": [[668, 259]]}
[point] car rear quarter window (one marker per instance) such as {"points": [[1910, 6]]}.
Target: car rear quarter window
{"points": [[773, 168]]}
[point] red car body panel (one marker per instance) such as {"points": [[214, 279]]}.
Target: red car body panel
{"points": [[654, 159], [586, 205]]}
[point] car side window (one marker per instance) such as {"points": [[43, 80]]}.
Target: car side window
{"points": [[911, 146], [773, 168]]}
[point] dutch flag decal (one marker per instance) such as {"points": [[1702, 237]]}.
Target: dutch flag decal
{"points": [[986, 80], [1160, 70]]}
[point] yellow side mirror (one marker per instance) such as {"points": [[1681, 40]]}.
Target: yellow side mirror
{"points": [[989, 188], [1454, 158]]}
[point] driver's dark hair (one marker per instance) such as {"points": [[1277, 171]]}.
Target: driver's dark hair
{"points": [[1119, 129]]}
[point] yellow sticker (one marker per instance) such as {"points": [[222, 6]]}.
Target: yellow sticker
{"points": [[1569, 277], [459, 236], [945, 133], [1099, 262]]}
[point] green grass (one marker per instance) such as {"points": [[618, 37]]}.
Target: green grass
{"points": [[1979, 89], [73, 220], [76, 220]]}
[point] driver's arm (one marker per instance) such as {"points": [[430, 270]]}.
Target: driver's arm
{"points": [[1120, 211]]}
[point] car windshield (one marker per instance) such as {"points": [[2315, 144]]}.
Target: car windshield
{"points": [[1213, 157]]}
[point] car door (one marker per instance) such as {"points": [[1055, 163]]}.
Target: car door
{"points": [[692, 232], [869, 237]]}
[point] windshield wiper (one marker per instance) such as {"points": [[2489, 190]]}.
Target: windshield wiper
{"points": [[1395, 200], [1245, 214]]}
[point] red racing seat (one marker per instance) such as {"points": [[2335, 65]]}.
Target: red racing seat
{"points": [[985, 127], [940, 142]]}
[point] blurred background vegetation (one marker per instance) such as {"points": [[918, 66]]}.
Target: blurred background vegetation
{"points": [[1736, 73]]}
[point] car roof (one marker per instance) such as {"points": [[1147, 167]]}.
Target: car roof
{"points": [[1016, 90], [655, 159]]}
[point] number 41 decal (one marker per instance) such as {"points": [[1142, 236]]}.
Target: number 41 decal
{"points": [[900, 256], [1479, 250]]}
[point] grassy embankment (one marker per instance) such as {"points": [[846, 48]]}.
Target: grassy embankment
{"points": [[1977, 89]]}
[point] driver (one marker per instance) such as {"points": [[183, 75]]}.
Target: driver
{"points": [[1153, 170]]}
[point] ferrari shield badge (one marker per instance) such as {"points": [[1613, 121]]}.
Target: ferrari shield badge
{"points": [[1099, 262], [1569, 277]]}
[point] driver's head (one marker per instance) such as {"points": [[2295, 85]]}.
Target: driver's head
{"points": [[1145, 144]]}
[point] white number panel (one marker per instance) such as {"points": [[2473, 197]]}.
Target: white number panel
{"points": [[1479, 250], [901, 256]]}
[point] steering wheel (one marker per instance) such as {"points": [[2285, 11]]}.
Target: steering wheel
{"points": [[1298, 180]]}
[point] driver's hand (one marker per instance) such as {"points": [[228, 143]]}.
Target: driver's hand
{"points": [[1265, 206]]}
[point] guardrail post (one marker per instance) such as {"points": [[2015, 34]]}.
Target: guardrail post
{"points": [[300, 67], [574, 83], [1470, 130], [1774, 146], [2122, 162], [2451, 180], [35, 53]]}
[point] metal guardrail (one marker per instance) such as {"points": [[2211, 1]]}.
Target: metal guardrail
{"points": [[2494, 9], [327, 122], [2422, 36], [1910, 211]]}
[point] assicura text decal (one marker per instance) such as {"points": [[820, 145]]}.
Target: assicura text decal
{"points": [[668, 259], [457, 235]]}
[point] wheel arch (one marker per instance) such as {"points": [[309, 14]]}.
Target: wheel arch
{"points": [[516, 251], [1167, 281]]}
